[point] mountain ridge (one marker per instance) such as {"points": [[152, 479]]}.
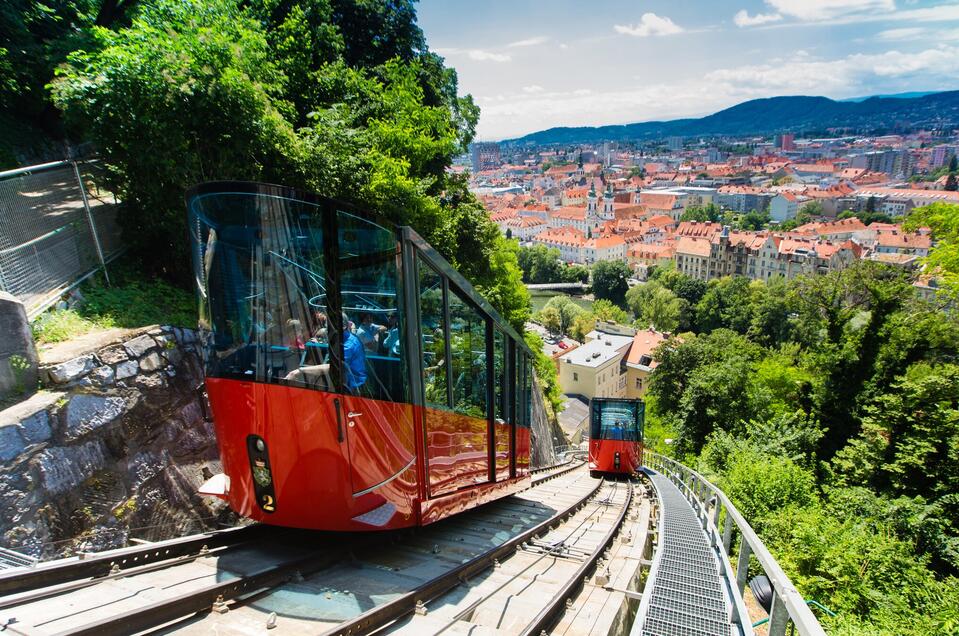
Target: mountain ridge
{"points": [[769, 115]]}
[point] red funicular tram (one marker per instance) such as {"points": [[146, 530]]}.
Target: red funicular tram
{"points": [[357, 381], [615, 436]]}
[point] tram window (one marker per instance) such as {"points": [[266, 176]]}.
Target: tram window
{"points": [[467, 357], [372, 351], [433, 334], [617, 420], [260, 261], [528, 393], [518, 400], [499, 376]]}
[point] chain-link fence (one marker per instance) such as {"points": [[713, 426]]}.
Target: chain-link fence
{"points": [[56, 228]]}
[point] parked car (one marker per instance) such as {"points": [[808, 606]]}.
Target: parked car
{"points": [[562, 345]]}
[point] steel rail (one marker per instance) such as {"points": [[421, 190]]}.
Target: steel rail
{"points": [[101, 564], [788, 604], [376, 618], [71, 569], [547, 618], [169, 610]]}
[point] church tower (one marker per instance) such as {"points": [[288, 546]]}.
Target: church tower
{"points": [[608, 214], [591, 201]]}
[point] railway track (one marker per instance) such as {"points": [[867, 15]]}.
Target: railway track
{"points": [[141, 588]]}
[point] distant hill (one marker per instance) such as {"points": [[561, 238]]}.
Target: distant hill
{"points": [[774, 114]]}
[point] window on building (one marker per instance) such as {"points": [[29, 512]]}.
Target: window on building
{"points": [[575, 377], [639, 383]]}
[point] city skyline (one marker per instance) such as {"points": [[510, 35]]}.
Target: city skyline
{"points": [[626, 62]]}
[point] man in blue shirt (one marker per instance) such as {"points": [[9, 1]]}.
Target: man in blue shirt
{"points": [[354, 365], [354, 358]]}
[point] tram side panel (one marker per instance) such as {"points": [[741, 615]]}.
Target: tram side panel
{"points": [[303, 461]]}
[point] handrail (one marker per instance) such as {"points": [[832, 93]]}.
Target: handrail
{"points": [[788, 604]]}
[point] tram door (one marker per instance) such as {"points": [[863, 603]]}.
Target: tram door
{"points": [[454, 370], [374, 410]]}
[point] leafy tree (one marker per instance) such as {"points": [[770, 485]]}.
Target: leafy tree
{"points": [[726, 304], [701, 384], [297, 93], [550, 318], [771, 323], [606, 310], [582, 325], [866, 217], [943, 220], [708, 212], [754, 220], [609, 281], [653, 304], [566, 311]]}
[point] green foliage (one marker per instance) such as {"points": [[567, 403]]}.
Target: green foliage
{"points": [[866, 217], [726, 305], [709, 212], [132, 301], [340, 97], [606, 310], [653, 304], [943, 220], [565, 311], [541, 264], [609, 281], [761, 484], [546, 372]]}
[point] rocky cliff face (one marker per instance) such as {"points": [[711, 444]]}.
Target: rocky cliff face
{"points": [[113, 448]]}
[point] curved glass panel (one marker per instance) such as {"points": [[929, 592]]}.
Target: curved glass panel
{"points": [[467, 357], [261, 273], [269, 304], [620, 420]]}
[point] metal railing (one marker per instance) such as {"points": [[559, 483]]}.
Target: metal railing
{"points": [[715, 510], [57, 227]]}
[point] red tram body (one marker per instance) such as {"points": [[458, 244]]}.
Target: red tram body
{"points": [[346, 367], [615, 436]]}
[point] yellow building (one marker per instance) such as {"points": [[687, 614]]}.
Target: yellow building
{"points": [[596, 369], [640, 362]]}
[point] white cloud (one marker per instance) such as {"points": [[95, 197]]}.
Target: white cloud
{"points": [[858, 74], [541, 39], [815, 10], [475, 54], [649, 24], [487, 56], [535, 88], [743, 19], [895, 35]]}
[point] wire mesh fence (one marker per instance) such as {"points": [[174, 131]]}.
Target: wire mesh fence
{"points": [[57, 226]]}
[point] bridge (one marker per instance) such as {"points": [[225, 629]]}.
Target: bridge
{"points": [[558, 286], [571, 555]]}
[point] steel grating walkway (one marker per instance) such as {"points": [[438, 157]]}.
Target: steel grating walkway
{"points": [[686, 594]]}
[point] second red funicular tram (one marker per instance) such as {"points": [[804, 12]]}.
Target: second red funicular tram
{"points": [[357, 381], [615, 436]]}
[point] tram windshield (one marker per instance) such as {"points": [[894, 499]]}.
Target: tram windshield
{"points": [[269, 307], [617, 420]]}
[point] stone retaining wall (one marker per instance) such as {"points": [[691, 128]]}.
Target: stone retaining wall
{"points": [[113, 447]]}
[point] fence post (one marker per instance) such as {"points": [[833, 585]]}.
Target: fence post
{"points": [[93, 227], [742, 565], [778, 616]]}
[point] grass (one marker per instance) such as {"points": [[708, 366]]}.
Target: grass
{"points": [[133, 300]]}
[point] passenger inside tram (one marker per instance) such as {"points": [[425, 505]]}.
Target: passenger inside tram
{"points": [[354, 364]]}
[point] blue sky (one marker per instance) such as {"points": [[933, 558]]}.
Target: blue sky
{"points": [[534, 64]]}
